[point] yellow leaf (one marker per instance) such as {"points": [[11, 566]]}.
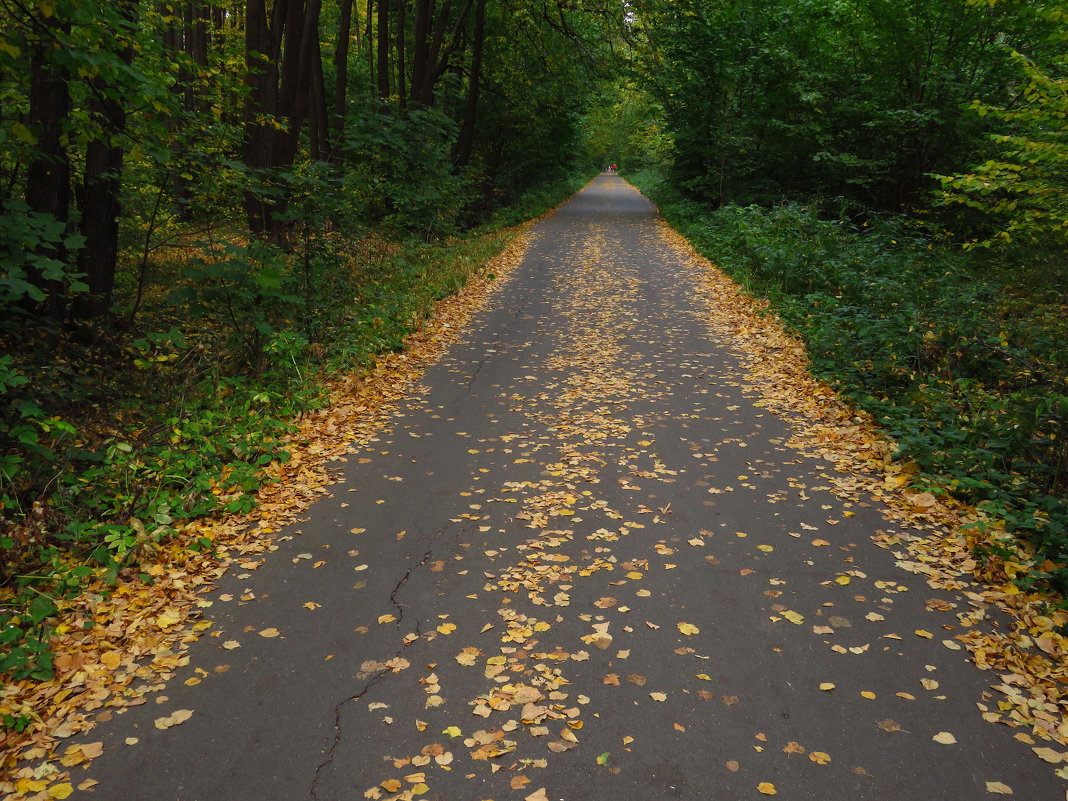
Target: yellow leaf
{"points": [[867, 694], [767, 788], [819, 757], [446, 628], [271, 632], [998, 788], [704, 677], [843, 580], [793, 617], [452, 731], [945, 738], [688, 628], [923, 633], [60, 790], [826, 686], [169, 618]]}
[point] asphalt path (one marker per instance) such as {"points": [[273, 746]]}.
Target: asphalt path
{"points": [[580, 563]]}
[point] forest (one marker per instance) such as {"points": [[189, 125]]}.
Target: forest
{"points": [[213, 208]]}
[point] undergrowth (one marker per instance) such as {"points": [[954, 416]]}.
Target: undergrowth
{"points": [[113, 434], [959, 355]]}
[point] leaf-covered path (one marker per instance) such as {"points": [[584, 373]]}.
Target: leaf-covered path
{"points": [[582, 562]]}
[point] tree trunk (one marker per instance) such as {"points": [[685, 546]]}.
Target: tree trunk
{"points": [[48, 188], [383, 49], [102, 181], [467, 132], [420, 48], [283, 85], [402, 13], [341, 75]]}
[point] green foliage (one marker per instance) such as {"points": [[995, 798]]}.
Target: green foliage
{"points": [[962, 361], [858, 98], [27, 271], [1025, 190]]}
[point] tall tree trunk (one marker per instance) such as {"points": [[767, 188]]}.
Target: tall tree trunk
{"points": [[262, 80], [402, 14], [102, 181], [424, 9], [467, 132], [282, 86], [341, 75], [48, 189], [383, 49]]}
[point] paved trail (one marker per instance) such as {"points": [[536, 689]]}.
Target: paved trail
{"points": [[578, 561]]}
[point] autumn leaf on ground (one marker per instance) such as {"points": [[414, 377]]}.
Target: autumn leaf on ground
{"points": [[767, 788], [688, 628], [537, 795], [1048, 754], [889, 726], [945, 738], [819, 757], [271, 632], [998, 788], [175, 718], [658, 696]]}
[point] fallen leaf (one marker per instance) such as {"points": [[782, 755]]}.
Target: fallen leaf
{"points": [[819, 757], [658, 696], [945, 738], [271, 632], [688, 628], [889, 726], [998, 788], [767, 788], [1047, 754]]}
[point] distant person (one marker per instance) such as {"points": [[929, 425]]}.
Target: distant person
{"points": [[613, 168]]}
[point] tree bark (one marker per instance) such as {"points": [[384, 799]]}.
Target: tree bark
{"points": [[383, 49], [48, 189], [341, 75], [467, 132], [102, 182]]}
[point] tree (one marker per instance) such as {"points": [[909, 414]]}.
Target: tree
{"points": [[1025, 189]]}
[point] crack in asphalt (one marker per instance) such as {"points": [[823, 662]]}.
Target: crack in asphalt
{"points": [[338, 708]]}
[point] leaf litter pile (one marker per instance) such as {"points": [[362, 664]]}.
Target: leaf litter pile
{"points": [[574, 564]]}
